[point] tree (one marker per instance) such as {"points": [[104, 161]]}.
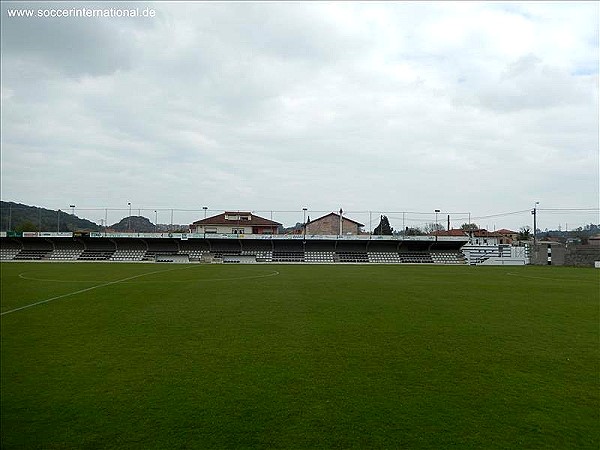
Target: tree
{"points": [[433, 227], [469, 227], [413, 231], [384, 227], [27, 226], [524, 233]]}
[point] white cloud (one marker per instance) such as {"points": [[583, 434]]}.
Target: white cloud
{"points": [[414, 106]]}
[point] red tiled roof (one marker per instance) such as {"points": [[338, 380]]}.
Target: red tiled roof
{"points": [[336, 215], [485, 233], [454, 232], [505, 231], [253, 222]]}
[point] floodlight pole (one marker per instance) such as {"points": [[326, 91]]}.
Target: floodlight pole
{"points": [[58, 221], [436, 224], [129, 218], [204, 225], [9, 217], [304, 211]]}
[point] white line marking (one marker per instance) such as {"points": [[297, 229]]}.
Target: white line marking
{"points": [[197, 280], [88, 289], [23, 276]]}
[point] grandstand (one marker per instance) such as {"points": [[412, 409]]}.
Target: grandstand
{"points": [[155, 247]]}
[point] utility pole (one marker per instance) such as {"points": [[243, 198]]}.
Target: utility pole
{"points": [[534, 212]]}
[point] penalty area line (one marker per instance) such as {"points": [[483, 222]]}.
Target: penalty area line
{"points": [[87, 289]]}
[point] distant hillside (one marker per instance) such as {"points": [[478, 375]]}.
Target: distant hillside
{"points": [[19, 217], [136, 224]]}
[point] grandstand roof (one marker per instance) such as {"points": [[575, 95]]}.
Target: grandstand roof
{"points": [[244, 217]]}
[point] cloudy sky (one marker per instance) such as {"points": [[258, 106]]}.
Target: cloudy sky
{"points": [[386, 107]]}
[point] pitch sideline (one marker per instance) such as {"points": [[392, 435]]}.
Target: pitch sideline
{"points": [[88, 289]]}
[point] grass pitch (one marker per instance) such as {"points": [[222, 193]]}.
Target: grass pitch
{"points": [[298, 356]]}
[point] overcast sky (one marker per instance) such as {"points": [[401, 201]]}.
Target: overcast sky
{"points": [[274, 106]]}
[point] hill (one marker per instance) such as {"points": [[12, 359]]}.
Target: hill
{"points": [[19, 217], [137, 224]]}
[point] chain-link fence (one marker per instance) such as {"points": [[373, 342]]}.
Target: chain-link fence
{"points": [[72, 217]]}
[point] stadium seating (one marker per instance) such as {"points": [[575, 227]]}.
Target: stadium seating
{"points": [[31, 254], [232, 251], [415, 258], [319, 257], [65, 254], [128, 255], [9, 249], [95, 255], [351, 257], [384, 257], [97, 250], [448, 257], [66, 250], [261, 256], [289, 256], [6, 254]]}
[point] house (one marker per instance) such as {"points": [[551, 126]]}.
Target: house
{"points": [[481, 236], [508, 236], [333, 224], [484, 237], [594, 240], [237, 222]]}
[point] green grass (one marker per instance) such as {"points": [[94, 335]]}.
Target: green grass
{"points": [[222, 356]]}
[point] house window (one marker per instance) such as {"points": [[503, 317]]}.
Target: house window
{"points": [[237, 230]]}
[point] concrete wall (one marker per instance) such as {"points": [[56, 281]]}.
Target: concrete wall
{"points": [[572, 255], [582, 255]]}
